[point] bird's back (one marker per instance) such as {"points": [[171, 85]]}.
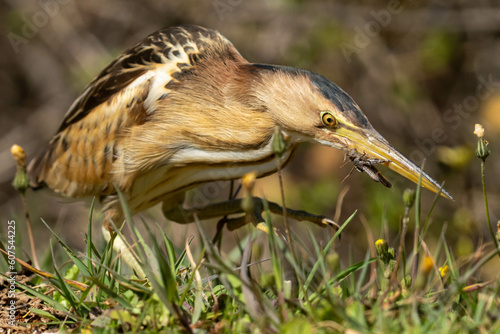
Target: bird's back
{"points": [[89, 154]]}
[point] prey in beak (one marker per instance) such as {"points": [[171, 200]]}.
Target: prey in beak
{"points": [[363, 164], [369, 148]]}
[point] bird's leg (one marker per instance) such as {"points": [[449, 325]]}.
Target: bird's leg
{"points": [[302, 215], [224, 220], [231, 223], [237, 206], [112, 222]]}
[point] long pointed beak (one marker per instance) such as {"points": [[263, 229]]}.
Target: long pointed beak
{"points": [[371, 145]]}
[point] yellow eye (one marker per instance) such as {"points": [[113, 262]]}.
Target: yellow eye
{"points": [[328, 119]]}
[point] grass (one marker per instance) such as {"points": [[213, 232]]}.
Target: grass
{"points": [[203, 291], [394, 288]]}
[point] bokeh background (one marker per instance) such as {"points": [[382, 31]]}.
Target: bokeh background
{"points": [[424, 72]]}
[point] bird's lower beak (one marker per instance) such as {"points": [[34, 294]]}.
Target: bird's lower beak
{"points": [[372, 145]]}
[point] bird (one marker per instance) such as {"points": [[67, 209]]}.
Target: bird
{"points": [[182, 108]]}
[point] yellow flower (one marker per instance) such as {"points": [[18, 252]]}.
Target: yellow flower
{"points": [[444, 270], [248, 180], [381, 246], [18, 154], [427, 264], [21, 181]]}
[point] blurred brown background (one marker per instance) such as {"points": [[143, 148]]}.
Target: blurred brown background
{"points": [[424, 72]]}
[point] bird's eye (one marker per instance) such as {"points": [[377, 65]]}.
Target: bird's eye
{"points": [[328, 119]]}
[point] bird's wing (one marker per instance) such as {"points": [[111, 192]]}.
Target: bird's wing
{"points": [[79, 159]]}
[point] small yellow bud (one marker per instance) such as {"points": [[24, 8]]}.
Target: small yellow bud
{"points": [[248, 181], [21, 182], [427, 264], [386, 255], [382, 247], [444, 270], [18, 154]]}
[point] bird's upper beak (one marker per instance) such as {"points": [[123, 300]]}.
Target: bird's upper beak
{"points": [[369, 144]]}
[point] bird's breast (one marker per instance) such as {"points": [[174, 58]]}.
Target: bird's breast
{"points": [[191, 166]]}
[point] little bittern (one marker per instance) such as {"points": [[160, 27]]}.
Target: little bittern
{"points": [[182, 108]]}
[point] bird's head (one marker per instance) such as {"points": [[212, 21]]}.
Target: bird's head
{"points": [[311, 108]]}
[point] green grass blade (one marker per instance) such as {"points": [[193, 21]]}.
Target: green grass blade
{"points": [[66, 290], [89, 239], [83, 268], [361, 278], [110, 293], [44, 314], [326, 249], [358, 265], [51, 302], [433, 205]]}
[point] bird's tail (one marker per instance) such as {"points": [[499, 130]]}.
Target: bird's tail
{"points": [[38, 168]]}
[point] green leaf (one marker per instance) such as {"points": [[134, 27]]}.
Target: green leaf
{"points": [[43, 313], [83, 268], [358, 265], [325, 251]]}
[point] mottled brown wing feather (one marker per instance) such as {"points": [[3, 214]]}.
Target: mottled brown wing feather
{"points": [[80, 158]]}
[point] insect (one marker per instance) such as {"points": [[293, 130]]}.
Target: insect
{"points": [[364, 164]]}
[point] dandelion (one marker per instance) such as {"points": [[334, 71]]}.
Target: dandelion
{"points": [[444, 270], [427, 264], [21, 182], [248, 181], [382, 247], [18, 154], [386, 254], [482, 151]]}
